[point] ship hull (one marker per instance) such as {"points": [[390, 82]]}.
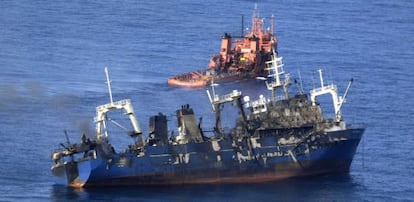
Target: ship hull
{"points": [[239, 57], [251, 161]]}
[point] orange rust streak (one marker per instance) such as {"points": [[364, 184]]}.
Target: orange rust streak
{"points": [[77, 184]]}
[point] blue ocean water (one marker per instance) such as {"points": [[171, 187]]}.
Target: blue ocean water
{"points": [[52, 56]]}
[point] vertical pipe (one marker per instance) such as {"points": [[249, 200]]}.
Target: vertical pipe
{"points": [[109, 85], [272, 28], [320, 77], [242, 26]]}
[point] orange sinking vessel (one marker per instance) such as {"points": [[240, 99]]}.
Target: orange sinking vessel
{"points": [[240, 57]]}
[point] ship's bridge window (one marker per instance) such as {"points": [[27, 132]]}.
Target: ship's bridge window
{"points": [[259, 108]]}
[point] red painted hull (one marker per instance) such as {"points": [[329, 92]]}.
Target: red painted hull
{"points": [[202, 82], [185, 80]]}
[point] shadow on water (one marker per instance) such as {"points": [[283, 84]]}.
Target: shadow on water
{"points": [[327, 187]]}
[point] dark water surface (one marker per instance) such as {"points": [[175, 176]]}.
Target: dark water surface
{"points": [[52, 55]]}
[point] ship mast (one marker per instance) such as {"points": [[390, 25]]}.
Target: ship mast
{"points": [[109, 85], [272, 26], [331, 89], [255, 16], [102, 110], [275, 68], [217, 103], [242, 26]]}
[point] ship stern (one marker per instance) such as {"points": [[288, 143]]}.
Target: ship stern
{"points": [[72, 174]]}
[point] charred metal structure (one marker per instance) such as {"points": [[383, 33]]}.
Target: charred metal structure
{"points": [[277, 138]]}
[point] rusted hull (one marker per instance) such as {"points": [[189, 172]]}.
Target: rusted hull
{"points": [[220, 162], [290, 170]]}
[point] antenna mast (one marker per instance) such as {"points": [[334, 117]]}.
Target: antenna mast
{"points": [[242, 26], [272, 29], [255, 16]]}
